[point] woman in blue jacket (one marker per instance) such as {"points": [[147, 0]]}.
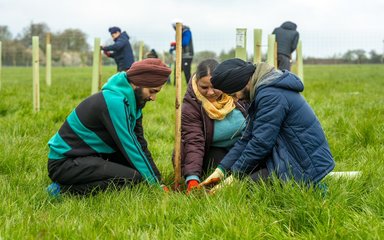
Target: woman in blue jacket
{"points": [[283, 135]]}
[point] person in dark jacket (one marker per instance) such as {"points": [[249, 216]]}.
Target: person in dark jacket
{"points": [[102, 141], [152, 54], [187, 49], [211, 123], [287, 38], [283, 135], [121, 50]]}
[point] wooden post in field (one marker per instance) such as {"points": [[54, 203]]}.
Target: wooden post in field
{"points": [[100, 70], [48, 62], [178, 107], [241, 43], [275, 56], [96, 66], [271, 49], [141, 49], [35, 72], [1, 64], [257, 33], [163, 58], [299, 61]]}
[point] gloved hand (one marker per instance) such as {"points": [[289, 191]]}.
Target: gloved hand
{"points": [[192, 184], [164, 187], [173, 44], [213, 179], [108, 54], [228, 181]]}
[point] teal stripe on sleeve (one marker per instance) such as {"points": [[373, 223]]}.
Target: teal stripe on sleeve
{"points": [[57, 147], [88, 136], [124, 124]]}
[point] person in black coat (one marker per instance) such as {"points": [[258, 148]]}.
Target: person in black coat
{"points": [[121, 50], [287, 38]]}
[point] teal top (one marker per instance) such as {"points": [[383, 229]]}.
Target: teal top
{"points": [[228, 131]]}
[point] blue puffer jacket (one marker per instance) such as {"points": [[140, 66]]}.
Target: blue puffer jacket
{"points": [[122, 52], [284, 131]]}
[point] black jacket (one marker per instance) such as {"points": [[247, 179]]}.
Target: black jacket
{"points": [[287, 38]]}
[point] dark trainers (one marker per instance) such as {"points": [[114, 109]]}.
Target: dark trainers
{"points": [[53, 190]]}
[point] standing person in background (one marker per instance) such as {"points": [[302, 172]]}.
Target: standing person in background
{"points": [[187, 49], [101, 143], [121, 50], [211, 122], [287, 38], [152, 54]]}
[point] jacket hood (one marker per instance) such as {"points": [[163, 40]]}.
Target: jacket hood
{"points": [[287, 81], [289, 25], [123, 36], [118, 83]]}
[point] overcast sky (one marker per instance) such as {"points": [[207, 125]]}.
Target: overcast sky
{"points": [[326, 27]]}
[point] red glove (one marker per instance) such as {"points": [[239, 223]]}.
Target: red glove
{"points": [[173, 44], [164, 187], [191, 185], [108, 54]]}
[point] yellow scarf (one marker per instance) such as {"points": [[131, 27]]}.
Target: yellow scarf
{"points": [[218, 109]]}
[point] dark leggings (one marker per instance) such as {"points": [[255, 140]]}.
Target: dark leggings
{"points": [[284, 62], [84, 175], [213, 158], [186, 66]]}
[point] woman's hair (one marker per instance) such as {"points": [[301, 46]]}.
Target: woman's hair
{"points": [[205, 68]]}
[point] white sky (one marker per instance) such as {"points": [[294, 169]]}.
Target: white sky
{"points": [[326, 27]]}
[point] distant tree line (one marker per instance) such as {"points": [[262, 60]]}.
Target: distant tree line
{"points": [[70, 48]]}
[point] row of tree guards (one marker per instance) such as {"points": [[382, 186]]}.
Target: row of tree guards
{"points": [[241, 50]]}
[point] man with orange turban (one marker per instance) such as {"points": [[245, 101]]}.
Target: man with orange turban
{"points": [[101, 143]]}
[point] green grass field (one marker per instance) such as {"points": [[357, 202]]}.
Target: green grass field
{"points": [[347, 99]]}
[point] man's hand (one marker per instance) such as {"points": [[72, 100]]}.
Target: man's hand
{"points": [[192, 184], [108, 54], [173, 44], [213, 179]]}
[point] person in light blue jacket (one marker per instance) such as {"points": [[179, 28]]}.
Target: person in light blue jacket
{"points": [[283, 136]]}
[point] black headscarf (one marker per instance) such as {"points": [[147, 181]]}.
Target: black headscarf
{"points": [[232, 75]]}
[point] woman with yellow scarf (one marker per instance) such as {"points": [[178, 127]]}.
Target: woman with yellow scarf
{"points": [[211, 123]]}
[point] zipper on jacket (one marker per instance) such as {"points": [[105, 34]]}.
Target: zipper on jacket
{"points": [[138, 145]]}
